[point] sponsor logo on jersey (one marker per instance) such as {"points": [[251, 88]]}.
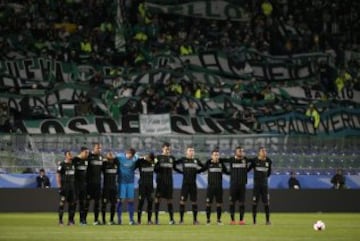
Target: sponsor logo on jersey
{"points": [[147, 169], [261, 169], [69, 172], [215, 169], [96, 163], [166, 165], [111, 171], [238, 165], [190, 165], [81, 168]]}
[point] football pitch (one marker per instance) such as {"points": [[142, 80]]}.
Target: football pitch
{"points": [[285, 226]]}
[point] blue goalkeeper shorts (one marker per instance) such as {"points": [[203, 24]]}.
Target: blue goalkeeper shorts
{"points": [[127, 191]]}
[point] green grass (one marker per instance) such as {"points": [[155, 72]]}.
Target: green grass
{"points": [[285, 226]]}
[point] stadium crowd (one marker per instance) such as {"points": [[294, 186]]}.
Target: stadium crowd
{"points": [[76, 31], [75, 27]]}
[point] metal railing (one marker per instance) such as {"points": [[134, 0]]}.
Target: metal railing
{"points": [[300, 153]]}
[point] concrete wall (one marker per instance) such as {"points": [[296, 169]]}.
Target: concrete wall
{"points": [[46, 200]]}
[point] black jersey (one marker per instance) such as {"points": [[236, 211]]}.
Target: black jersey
{"points": [[164, 169], [238, 170], [67, 173], [146, 169], [262, 170], [110, 171], [80, 169], [215, 171], [94, 168], [189, 167]]}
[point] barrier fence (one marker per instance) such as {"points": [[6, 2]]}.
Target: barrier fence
{"points": [[303, 154]]}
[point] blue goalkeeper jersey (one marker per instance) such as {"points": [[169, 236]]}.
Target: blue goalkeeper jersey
{"points": [[126, 168]]}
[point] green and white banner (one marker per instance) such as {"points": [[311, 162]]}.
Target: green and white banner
{"points": [[332, 123], [306, 92], [240, 64], [219, 10], [70, 83], [261, 66]]}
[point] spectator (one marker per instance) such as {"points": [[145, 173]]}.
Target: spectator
{"points": [[72, 32], [294, 182], [343, 80], [266, 8], [185, 49], [83, 108], [338, 180], [314, 116], [201, 92], [268, 94], [192, 107], [86, 46], [5, 125], [327, 78], [42, 180]]}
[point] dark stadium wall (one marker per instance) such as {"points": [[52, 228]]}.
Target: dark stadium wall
{"points": [[46, 200]]}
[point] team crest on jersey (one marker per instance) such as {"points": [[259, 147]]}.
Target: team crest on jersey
{"points": [[195, 161], [170, 160], [59, 168], [156, 160], [86, 163], [266, 164]]}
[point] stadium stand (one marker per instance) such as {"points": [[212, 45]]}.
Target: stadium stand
{"points": [[255, 69]]}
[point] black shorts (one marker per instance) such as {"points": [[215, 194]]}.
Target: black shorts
{"points": [[109, 195], [94, 191], [80, 191], [188, 190], [237, 193], [214, 192], [68, 194], [146, 192], [164, 191], [261, 191]]}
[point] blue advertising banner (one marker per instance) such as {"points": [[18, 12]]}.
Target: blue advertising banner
{"points": [[275, 181]]}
